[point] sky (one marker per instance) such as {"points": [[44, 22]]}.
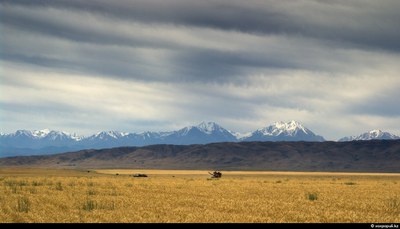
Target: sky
{"points": [[160, 65]]}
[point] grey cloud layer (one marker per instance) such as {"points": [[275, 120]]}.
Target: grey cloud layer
{"points": [[241, 63], [366, 23], [283, 34]]}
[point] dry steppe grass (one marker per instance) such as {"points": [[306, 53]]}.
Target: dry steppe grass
{"points": [[52, 195]]}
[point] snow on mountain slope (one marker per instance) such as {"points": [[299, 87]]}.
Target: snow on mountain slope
{"points": [[109, 134], [40, 133], [205, 132], [371, 135], [210, 127], [43, 134], [240, 135], [281, 131]]}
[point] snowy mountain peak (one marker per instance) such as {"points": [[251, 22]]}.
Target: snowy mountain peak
{"points": [[376, 133], [40, 133], [282, 128], [49, 134], [371, 135], [35, 134], [60, 135], [289, 127], [76, 137], [205, 132], [110, 134], [26, 133], [282, 131], [208, 127]]}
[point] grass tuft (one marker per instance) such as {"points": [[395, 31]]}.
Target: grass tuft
{"points": [[89, 205], [36, 183], [312, 196], [91, 192], [59, 186], [393, 205], [23, 204]]}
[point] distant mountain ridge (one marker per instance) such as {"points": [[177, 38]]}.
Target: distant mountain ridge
{"points": [[371, 135], [25, 142], [49, 141]]}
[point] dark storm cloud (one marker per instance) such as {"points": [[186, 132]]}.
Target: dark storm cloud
{"points": [[41, 22], [366, 24], [324, 25]]}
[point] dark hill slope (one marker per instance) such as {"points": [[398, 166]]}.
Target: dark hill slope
{"points": [[355, 156]]}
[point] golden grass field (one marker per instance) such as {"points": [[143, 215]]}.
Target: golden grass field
{"points": [[55, 195]]}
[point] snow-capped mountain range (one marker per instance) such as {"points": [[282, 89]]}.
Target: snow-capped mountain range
{"points": [[25, 142], [372, 135]]}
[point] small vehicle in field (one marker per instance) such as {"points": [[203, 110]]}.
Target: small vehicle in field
{"points": [[215, 174]]}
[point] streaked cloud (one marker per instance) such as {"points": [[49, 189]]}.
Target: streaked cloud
{"points": [[85, 66]]}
